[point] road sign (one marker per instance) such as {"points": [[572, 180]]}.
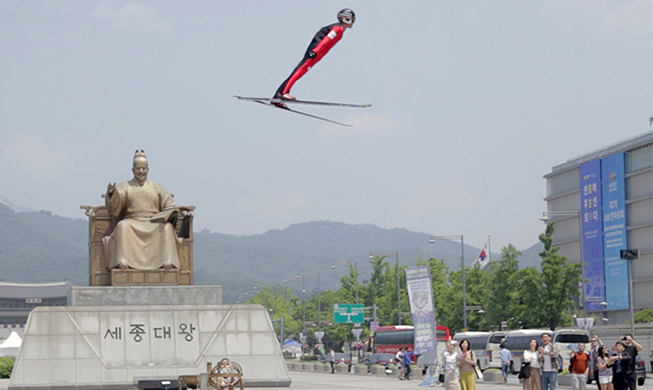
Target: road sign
{"points": [[346, 313]]}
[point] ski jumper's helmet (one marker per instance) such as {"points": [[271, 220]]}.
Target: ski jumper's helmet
{"points": [[346, 16]]}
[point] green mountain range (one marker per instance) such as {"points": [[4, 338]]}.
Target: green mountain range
{"points": [[42, 247]]}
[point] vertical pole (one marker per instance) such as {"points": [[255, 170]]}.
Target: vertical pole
{"points": [[319, 304], [462, 263], [281, 330], [630, 293], [303, 306], [356, 280], [398, 292], [582, 268]]}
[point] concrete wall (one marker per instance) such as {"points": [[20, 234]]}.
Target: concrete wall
{"points": [[108, 347]]}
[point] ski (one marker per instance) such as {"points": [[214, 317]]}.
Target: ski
{"points": [[306, 102], [266, 102]]}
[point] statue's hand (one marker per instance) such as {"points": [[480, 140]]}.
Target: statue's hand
{"points": [[111, 188]]}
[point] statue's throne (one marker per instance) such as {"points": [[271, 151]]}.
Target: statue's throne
{"points": [[101, 224]]}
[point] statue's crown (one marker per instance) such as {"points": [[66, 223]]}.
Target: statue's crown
{"points": [[139, 154]]}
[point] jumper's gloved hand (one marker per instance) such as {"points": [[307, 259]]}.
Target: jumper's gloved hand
{"points": [[311, 54]]}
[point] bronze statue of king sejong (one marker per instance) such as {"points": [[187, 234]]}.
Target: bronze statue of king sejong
{"points": [[143, 239], [140, 236]]}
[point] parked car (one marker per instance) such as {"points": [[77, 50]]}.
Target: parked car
{"points": [[640, 368], [383, 359]]}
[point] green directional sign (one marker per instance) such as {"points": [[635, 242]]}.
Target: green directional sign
{"points": [[348, 313]]}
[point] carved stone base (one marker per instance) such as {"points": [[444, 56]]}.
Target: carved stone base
{"points": [[156, 277]]}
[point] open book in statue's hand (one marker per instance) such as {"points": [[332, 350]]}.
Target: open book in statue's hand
{"points": [[164, 216]]}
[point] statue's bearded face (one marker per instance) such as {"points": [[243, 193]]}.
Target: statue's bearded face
{"points": [[140, 170]]}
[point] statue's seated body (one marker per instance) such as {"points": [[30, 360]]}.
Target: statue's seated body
{"points": [[140, 236]]}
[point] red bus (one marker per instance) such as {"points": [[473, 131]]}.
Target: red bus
{"points": [[388, 339]]}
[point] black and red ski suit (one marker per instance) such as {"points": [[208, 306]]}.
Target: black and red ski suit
{"points": [[322, 42]]}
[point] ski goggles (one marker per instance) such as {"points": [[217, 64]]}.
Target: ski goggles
{"points": [[347, 20]]}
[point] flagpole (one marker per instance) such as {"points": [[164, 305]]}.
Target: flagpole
{"points": [[489, 249]]}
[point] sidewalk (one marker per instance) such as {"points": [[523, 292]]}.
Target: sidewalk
{"points": [[326, 381]]}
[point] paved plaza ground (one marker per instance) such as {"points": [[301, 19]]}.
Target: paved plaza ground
{"points": [[324, 381]]}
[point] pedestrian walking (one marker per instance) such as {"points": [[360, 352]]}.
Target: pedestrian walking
{"points": [[506, 359], [450, 358], [466, 365], [548, 362], [531, 356]]}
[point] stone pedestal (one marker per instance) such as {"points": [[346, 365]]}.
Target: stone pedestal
{"points": [[145, 295], [111, 339]]}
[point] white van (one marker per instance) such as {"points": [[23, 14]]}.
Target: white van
{"points": [[567, 339], [494, 345], [478, 342], [517, 341]]}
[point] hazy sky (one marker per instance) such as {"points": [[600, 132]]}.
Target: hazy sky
{"points": [[473, 102]]}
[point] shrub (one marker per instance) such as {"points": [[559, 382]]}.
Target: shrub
{"points": [[6, 366], [309, 358]]}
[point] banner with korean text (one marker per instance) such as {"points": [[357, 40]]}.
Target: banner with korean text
{"points": [[592, 234], [420, 294], [614, 228]]}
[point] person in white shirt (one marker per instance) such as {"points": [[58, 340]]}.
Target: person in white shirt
{"points": [[399, 357], [450, 358], [531, 355]]}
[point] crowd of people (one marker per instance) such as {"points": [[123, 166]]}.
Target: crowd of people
{"points": [[611, 368]]}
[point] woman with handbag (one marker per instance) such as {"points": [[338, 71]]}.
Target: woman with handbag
{"points": [[450, 358], [466, 366], [531, 373]]}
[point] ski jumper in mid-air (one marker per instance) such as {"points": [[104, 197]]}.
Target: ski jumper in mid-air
{"points": [[322, 42]]}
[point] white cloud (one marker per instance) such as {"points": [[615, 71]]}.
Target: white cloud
{"points": [[29, 158], [132, 16]]}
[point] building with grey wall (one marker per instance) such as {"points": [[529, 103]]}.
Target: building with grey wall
{"points": [[602, 202], [18, 299]]}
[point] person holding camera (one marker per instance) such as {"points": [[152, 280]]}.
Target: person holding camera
{"points": [[632, 348], [622, 372]]}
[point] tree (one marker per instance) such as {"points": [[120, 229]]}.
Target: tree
{"points": [[281, 302], [503, 287], [559, 283], [645, 315]]}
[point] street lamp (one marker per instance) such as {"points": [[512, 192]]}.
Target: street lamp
{"points": [[333, 266], [319, 300], [462, 263], [372, 256], [286, 280], [630, 255], [550, 215]]}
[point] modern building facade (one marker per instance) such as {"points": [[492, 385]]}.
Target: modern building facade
{"points": [[602, 203]]}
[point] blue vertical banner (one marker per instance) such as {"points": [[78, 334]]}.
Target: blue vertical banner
{"points": [[614, 231], [420, 294], [592, 234]]}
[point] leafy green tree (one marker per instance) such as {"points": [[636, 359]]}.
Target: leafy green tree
{"points": [[559, 283], [350, 287], [645, 315], [379, 289], [502, 293], [527, 298], [281, 302]]}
